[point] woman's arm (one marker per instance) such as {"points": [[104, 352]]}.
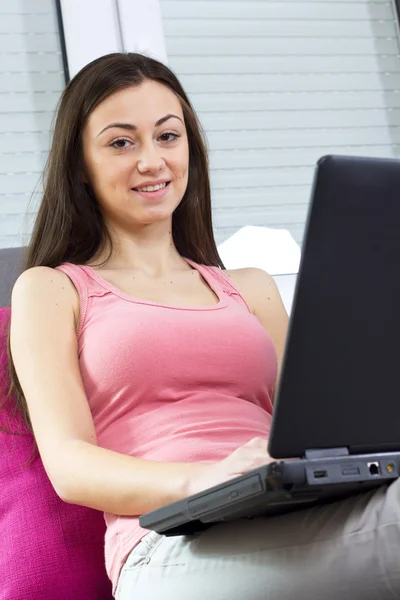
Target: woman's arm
{"points": [[262, 295], [45, 308]]}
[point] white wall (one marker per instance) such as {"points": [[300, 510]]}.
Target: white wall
{"points": [[31, 81], [277, 85]]}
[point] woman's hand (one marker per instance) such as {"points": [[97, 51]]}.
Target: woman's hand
{"points": [[251, 455]]}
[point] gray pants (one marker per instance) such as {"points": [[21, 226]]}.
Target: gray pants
{"points": [[346, 550]]}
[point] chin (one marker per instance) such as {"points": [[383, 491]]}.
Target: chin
{"points": [[157, 218], [159, 213]]}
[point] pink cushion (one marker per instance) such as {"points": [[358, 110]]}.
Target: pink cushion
{"points": [[49, 550]]}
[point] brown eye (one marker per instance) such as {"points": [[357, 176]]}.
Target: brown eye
{"points": [[120, 144], [169, 137]]}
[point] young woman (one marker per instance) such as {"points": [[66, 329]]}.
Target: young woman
{"points": [[147, 371]]}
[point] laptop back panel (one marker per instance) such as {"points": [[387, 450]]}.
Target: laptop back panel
{"points": [[340, 381]]}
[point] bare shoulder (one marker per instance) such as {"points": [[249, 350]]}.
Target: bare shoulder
{"points": [[255, 285], [43, 287], [262, 295], [38, 278]]}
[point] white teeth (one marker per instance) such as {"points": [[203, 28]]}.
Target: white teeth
{"points": [[152, 188]]}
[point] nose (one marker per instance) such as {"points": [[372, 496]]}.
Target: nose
{"points": [[150, 160]]}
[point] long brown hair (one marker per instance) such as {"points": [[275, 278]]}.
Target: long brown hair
{"points": [[69, 226]]}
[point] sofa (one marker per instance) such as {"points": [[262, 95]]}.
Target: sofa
{"points": [[11, 265], [49, 549]]}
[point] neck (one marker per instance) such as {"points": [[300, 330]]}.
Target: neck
{"points": [[153, 255]]}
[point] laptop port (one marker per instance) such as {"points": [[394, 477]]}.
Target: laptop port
{"points": [[320, 474], [349, 471], [374, 468]]}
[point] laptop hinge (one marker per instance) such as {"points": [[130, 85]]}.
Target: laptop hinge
{"points": [[326, 453]]}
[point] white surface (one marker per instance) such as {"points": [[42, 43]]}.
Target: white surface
{"points": [[91, 30], [273, 250], [286, 285], [142, 28], [94, 28]]}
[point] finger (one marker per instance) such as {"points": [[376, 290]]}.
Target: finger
{"points": [[258, 442]]}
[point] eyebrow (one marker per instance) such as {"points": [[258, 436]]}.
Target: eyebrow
{"points": [[131, 127]]}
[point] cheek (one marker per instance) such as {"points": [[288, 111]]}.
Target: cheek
{"points": [[94, 170], [182, 169], [181, 163], [108, 174], [183, 175]]}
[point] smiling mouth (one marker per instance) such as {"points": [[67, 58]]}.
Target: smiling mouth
{"points": [[152, 188]]}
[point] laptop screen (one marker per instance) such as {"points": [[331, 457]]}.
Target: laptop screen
{"points": [[340, 381]]}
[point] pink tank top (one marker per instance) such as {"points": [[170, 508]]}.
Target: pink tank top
{"points": [[170, 383]]}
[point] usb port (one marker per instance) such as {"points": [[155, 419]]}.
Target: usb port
{"points": [[320, 474], [350, 471]]}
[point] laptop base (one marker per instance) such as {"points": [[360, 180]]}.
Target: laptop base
{"points": [[277, 488]]}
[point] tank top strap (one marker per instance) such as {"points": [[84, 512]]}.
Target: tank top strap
{"points": [[224, 282], [84, 284]]}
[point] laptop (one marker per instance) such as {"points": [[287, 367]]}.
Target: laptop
{"points": [[336, 423]]}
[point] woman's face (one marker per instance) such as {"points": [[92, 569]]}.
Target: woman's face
{"points": [[136, 155]]}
